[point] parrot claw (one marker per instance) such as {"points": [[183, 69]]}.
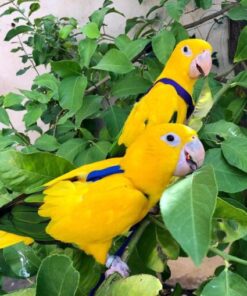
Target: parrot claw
{"points": [[115, 264]]}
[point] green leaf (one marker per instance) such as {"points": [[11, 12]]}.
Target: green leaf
{"points": [[98, 151], [34, 111], [204, 4], [8, 11], [235, 152], [16, 31], [71, 148], [186, 214], [86, 48], [163, 49], [37, 96], [144, 285], [114, 119], [33, 7], [91, 30], [57, 276], [65, 31], [99, 15], [155, 246], [4, 117], [231, 220], [179, 32], [91, 106], [240, 79], [47, 143], [12, 99], [49, 81], [66, 68], [238, 13], [203, 105], [226, 283], [229, 179], [130, 48], [220, 130], [28, 172], [90, 272], [71, 91], [9, 140], [22, 260], [241, 51], [175, 8], [23, 71], [130, 84], [115, 61]]}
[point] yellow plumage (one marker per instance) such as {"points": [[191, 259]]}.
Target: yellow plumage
{"points": [[162, 100], [8, 239], [90, 214]]}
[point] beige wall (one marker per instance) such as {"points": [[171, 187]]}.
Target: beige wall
{"points": [[81, 9]]}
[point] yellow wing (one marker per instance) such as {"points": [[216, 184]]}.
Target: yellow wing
{"points": [[8, 239], [91, 214], [82, 172], [157, 106]]}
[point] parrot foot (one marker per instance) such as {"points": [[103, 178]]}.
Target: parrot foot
{"points": [[115, 264]]}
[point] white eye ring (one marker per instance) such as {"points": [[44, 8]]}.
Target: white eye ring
{"points": [[186, 50], [171, 139]]}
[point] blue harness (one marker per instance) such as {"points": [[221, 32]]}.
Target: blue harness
{"points": [[181, 92], [100, 174]]}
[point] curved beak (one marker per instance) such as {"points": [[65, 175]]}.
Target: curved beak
{"points": [[191, 158], [201, 65]]}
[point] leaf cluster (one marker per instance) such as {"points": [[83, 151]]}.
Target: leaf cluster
{"points": [[77, 109]]}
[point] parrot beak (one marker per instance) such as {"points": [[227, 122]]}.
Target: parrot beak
{"points": [[191, 158], [201, 65]]}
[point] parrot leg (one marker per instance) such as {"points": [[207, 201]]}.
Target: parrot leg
{"points": [[115, 264]]}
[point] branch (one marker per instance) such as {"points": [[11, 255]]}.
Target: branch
{"points": [[227, 257], [94, 87], [211, 16], [4, 4]]}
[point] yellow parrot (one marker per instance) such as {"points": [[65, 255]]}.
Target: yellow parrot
{"points": [[169, 100], [91, 205]]}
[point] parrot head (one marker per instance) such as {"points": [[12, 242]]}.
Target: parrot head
{"points": [[190, 59], [182, 141], [160, 152]]}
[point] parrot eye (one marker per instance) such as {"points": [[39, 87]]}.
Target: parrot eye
{"points": [[186, 50], [171, 139]]}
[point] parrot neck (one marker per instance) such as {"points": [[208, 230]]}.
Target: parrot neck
{"points": [[147, 173], [182, 78]]}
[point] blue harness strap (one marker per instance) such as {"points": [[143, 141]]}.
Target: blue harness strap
{"points": [[100, 174], [180, 91]]}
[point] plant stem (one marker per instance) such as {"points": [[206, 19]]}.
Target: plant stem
{"points": [[211, 16], [94, 87], [30, 59], [220, 76], [227, 257], [135, 239], [6, 3], [20, 11], [221, 92]]}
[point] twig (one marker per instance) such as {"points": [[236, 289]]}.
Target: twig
{"points": [[30, 59], [222, 75], [135, 239], [211, 16], [4, 4], [21, 12], [227, 257], [94, 87]]}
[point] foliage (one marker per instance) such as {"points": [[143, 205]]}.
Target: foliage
{"points": [[83, 100]]}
